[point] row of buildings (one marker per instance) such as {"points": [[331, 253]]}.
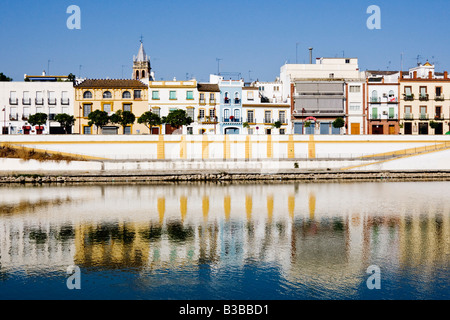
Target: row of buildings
{"points": [[304, 99]]}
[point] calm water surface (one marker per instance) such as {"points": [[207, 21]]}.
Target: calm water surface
{"points": [[212, 241]]}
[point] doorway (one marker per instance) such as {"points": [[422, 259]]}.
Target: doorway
{"points": [[355, 128], [408, 127], [377, 129]]}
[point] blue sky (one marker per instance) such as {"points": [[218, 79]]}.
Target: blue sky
{"points": [[185, 37]]}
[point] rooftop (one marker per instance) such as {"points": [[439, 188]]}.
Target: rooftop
{"points": [[111, 83]]}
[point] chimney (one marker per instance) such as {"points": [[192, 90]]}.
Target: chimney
{"points": [[415, 75], [445, 75], [310, 55], [430, 75]]}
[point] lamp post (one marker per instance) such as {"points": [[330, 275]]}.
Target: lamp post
{"points": [[303, 122], [4, 109]]}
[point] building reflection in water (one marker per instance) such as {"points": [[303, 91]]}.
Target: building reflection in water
{"points": [[311, 232]]}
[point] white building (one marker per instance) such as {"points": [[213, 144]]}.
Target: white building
{"points": [[38, 94]]}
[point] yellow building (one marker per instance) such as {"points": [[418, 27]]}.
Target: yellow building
{"points": [[110, 96]]}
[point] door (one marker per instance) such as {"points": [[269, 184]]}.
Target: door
{"points": [[355, 128], [325, 128], [391, 129], [298, 128], [231, 131], [377, 129], [310, 129], [408, 127]]}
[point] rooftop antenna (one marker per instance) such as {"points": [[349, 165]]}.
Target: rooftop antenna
{"points": [[79, 68], [122, 69], [218, 65], [48, 66], [296, 52], [249, 77]]}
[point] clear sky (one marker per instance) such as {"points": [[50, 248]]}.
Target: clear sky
{"points": [[184, 37]]}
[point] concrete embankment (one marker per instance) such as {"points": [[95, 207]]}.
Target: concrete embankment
{"points": [[235, 177]]}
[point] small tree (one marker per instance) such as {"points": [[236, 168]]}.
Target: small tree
{"points": [[124, 118], [338, 123], [434, 124], [150, 120], [38, 119], [98, 118], [177, 118], [65, 120]]}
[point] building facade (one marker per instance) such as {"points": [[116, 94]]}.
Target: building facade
{"points": [[51, 95], [383, 102], [424, 101], [110, 96]]}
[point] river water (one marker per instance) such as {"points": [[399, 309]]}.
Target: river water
{"points": [[387, 240]]}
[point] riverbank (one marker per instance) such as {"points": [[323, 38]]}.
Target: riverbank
{"points": [[226, 177]]}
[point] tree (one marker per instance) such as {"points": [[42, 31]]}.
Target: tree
{"points": [[338, 123], [65, 120], [98, 118], [150, 120], [124, 118], [38, 119], [434, 124], [177, 118], [4, 78]]}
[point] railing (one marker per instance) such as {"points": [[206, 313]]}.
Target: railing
{"points": [[268, 121], [26, 101], [65, 101], [25, 117], [375, 100], [227, 101], [212, 101], [408, 97], [13, 117], [393, 117], [208, 119], [423, 97], [237, 101], [408, 116], [251, 120], [438, 116], [231, 119], [52, 101], [375, 117], [13, 101], [423, 116], [39, 101], [439, 98]]}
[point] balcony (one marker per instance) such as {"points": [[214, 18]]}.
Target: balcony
{"points": [[237, 101], [227, 101], [408, 97], [13, 117], [375, 100], [375, 116], [423, 97], [13, 101], [251, 121], [208, 120], [438, 116], [393, 117], [202, 101], [26, 101], [25, 117], [268, 121], [439, 98], [65, 101], [408, 116], [231, 119], [212, 101], [39, 101], [52, 101], [424, 116]]}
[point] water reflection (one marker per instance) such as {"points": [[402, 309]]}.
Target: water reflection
{"points": [[305, 240]]}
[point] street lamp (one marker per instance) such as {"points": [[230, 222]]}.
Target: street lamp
{"points": [[303, 122]]}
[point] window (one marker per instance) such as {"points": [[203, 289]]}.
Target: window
{"points": [[12, 97], [172, 95], [39, 97], [156, 111], [190, 113], [347, 61], [201, 113], [107, 95], [26, 113], [51, 113], [26, 97], [438, 91], [202, 98], [51, 97], [250, 118], [13, 114], [212, 113], [355, 89], [127, 130], [212, 98], [423, 109], [155, 95], [407, 109], [267, 117], [237, 114], [250, 130], [137, 94], [65, 110], [86, 130], [126, 95], [107, 108], [282, 116], [226, 113], [87, 108], [127, 107], [374, 96], [87, 95], [408, 91], [227, 98], [282, 131], [64, 98], [189, 95], [249, 95], [355, 107], [331, 75], [190, 130]]}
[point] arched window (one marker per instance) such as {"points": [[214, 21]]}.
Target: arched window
{"points": [[391, 93], [227, 97], [137, 74], [126, 95], [87, 95], [374, 96], [143, 74], [107, 95], [236, 95]]}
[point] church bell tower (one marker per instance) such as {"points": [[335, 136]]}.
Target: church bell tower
{"points": [[141, 65]]}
